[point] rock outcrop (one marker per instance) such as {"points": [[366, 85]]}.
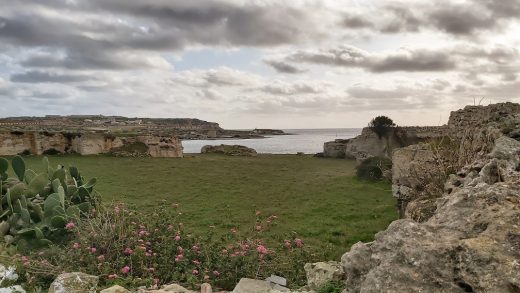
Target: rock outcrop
{"points": [[86, 143], [74, 283], [470, 240], [369, 144], [230, 150]]}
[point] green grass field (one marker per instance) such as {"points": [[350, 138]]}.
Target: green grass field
{"points": [[319, 199]]}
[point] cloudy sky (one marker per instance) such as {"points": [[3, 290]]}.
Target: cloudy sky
{"points": [[259, 63]]}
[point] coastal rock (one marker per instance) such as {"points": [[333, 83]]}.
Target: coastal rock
{"points": [[230, 150], [470, 242], [320, 273], [369, 144], [75, 282]]}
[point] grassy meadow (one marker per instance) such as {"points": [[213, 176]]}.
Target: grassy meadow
{"points": [[318, 199]]}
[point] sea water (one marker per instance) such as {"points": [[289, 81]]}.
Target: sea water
{"points": [[308, 141]]}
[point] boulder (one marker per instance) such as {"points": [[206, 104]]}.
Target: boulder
{"points": [[115, 289], [230, 150], [75, 282], [320, 273]]}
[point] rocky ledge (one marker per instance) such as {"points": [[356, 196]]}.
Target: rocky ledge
{"points": [[230, 150]]}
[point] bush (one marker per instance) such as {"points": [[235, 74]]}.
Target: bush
{"points": [[373, 168], [381, 125], [126, 247]]}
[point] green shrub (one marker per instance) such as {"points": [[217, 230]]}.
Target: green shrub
{"points": [[373, 168], [332, 287], [38, 209], [125, 247], [381, 125]]}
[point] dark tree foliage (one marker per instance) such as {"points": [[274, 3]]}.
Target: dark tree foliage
{"points": [[381, 125], [373, 168]]}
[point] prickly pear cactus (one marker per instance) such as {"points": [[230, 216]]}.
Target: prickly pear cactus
{"points": [[35, 208]]}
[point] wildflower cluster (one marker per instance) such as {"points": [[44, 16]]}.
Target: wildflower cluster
{"points": [[124, 247]]}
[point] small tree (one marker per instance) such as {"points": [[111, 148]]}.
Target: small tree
{"points": [[381, 125]]}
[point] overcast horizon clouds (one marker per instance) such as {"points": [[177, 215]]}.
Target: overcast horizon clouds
{"points": [[265, 63]]}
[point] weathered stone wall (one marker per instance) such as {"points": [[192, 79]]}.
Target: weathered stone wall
{"points": [[467, 238], [369, 144], [12, 143]]}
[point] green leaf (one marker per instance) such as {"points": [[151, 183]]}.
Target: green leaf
{"points": [[29, 175], [19, 167], [84, 207], [74, 172], [56, 185], [37, 185], [37, 214], [58, 222], [4, 165], [50, 203], [73, 212], [83, 193], [91, 183]]}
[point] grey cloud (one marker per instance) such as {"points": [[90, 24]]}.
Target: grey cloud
{"points": [[48, 77], [153, 25], [284, 67], [282, 88], [356, 22], [461, 20], [348, 56]]}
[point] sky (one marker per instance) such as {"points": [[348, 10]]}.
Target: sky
{"points": [[259, 63]]}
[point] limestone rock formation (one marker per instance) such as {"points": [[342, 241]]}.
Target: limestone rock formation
{"points": [[74, 283], [230, 150], [320, 273], [369, 144], [470, 240], [86, 143]]}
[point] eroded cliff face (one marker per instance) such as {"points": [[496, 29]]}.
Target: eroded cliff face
{"points": [[38, 143], [369, 144], [466, 239]]}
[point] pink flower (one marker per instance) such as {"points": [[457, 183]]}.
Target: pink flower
{"points": [[25, 258], [196, 262], [147, 254], [128, 251], [179, 257], [117, 210], [224, 251], [287, 243], [125, 270], [195, 272], [194, 248], [298, 242], [142, 247], [93, 250], [177, 237], [261, 249], [170, 227], [70, 226], [216, 273], [101, 258], [76, 245], [151, 270], [112, 276]]}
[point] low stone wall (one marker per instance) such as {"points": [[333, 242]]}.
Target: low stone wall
{"points": [[87, 143]]}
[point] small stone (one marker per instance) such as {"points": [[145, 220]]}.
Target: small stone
{"points": [[206, 288], [277, 280], [74, 283], [257, 286], [115, 289], [172, 288]]}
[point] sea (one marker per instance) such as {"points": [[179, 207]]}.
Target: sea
{"points": [[307, 141]]}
